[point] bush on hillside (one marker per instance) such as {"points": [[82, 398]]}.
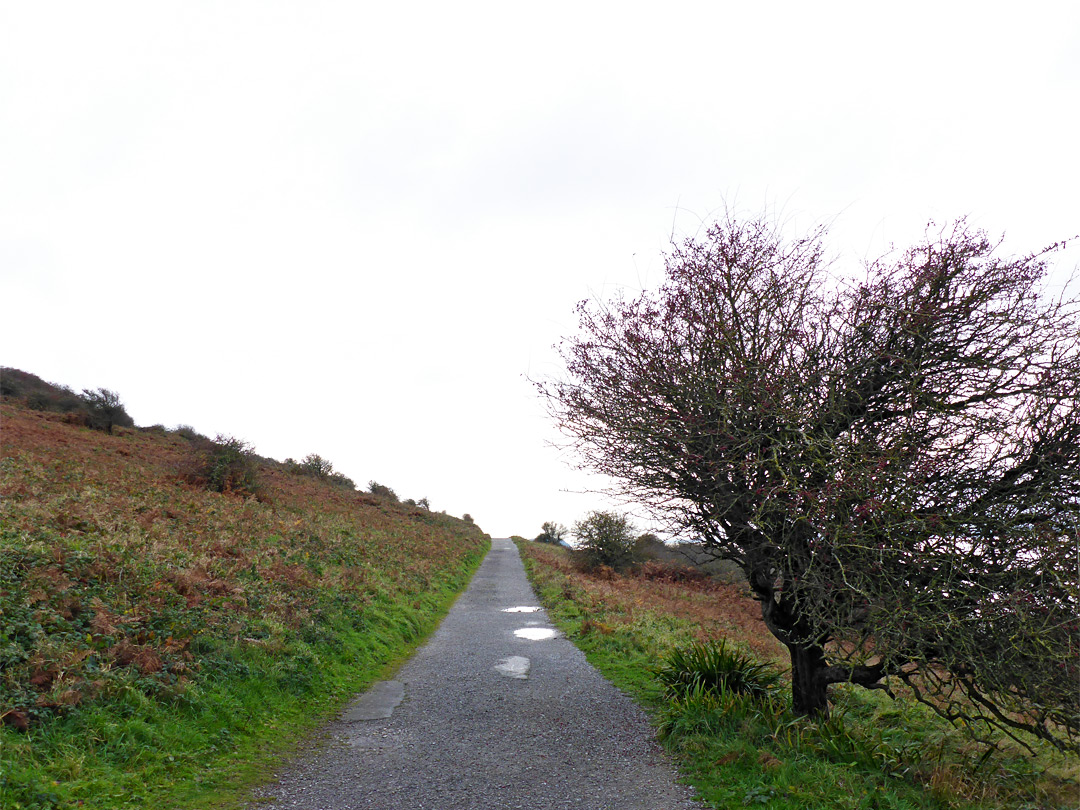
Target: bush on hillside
{"points": [[226, 465], [190, 433], [341, 480], [648, 546], [675, 573], [316, 466], [63, 400], [97, 408], [381, 490], [105, 410], [38, 394]]}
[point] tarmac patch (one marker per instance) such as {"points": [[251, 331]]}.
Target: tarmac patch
{"points": [[377, 703]]}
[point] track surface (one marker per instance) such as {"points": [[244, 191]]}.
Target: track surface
{"points": [[488, 718]]}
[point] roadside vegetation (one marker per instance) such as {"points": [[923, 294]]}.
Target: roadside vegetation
{"points": [[176, 612], [694, 651]]}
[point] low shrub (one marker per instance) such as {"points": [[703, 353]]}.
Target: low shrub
{"points": [[316, 466], [341, 480], [712, 667], [190, 433], [38, 394], [97, 408], [674, 573], [381, 490], [226, 465], [105, 410]]}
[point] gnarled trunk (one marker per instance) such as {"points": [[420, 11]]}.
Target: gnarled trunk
{"points": [[809, 681]]}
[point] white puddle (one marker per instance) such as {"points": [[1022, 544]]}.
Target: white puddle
{"points": [[521, 609], [516, 666], [535, 633]]}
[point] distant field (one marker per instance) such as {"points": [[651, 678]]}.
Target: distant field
{"points": [[873, 753], [159, 643]]}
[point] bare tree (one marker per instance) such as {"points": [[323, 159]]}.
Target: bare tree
{"points": [[893, 463]]}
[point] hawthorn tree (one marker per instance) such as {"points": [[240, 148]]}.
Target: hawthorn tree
{"points": [[105, 409], [605, 538], [894, 462]]}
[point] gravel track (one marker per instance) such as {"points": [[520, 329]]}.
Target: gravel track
{"points": [[480, 727]]}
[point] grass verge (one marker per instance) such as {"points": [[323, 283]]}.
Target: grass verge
{"points": [[738, 751]]}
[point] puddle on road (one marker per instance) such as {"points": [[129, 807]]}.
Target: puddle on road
{"points": [[516, 666], [521, 609], [535, 633]]}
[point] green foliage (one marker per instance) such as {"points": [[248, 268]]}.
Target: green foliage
{"points": [[650, 547], [189, 433], [381, 490], [713, 667], [316, 466], [467, 518], [226, 464], [98, 408], [604, 539], [38, 394], [105, 410], [552, 532]]}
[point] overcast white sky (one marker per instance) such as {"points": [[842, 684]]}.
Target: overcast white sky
{"points": [[356, 228]]}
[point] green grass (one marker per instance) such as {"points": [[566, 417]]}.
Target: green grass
{"points": [[750, 751], [217, 737]]}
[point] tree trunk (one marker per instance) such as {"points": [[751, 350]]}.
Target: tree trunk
{"points": [[809, 687]]}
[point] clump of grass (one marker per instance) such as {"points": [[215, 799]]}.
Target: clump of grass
{"points": [[712, 667]]}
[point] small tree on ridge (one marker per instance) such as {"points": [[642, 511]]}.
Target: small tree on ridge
{"points": [[551, 532]]}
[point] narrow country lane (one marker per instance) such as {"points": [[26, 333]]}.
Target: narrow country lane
{"points": [[495, 711]]}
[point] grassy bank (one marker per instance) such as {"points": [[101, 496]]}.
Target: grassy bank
{"points": [[160, 644], [875, 752]]}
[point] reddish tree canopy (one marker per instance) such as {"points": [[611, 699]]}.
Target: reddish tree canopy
{"points": [[894, 462]]}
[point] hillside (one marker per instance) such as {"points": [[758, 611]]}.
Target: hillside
{"points": [[155, 635]]}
